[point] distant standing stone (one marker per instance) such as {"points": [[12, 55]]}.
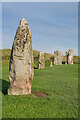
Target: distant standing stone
{"points": [[41, 64], [51, 64], [58, 58], [21, 61], [69, 56]]}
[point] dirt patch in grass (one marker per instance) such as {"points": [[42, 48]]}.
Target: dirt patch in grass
{"points": [[40, 94], [37, 94]]}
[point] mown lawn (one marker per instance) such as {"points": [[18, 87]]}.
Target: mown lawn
{"points": [[59, 82]]}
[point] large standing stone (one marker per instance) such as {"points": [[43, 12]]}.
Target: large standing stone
{"points": [[58, 57], [21, 61], [69, 56], [41, 64], [51, 64]]}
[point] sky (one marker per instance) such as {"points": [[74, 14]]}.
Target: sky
{"points": [[54, 25]]}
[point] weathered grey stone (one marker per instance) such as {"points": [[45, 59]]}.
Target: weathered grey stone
{"points": [[41, 64], [58, 58], [69, 56], [21, 61], [51, 64]]}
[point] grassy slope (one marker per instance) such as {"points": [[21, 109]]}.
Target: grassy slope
{"points": [[60, 82]]}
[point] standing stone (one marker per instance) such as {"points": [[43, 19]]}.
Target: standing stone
{"points": [[21, 61], [69, 56], [51, 64], [41, 64], [58, 58]]}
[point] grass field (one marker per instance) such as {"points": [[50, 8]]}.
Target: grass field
{"points": [[59, 82]]}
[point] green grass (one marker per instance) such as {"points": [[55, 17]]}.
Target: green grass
{"points": [[59, 82]]}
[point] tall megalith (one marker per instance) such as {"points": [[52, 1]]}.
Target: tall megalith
{"points": [[58, 58], [21, 61], [51, 64], [69, 56], [41, 64]]}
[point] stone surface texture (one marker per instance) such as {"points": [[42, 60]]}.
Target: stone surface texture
{"points": [[21, 61], [51, 64], [41, 64], [58, 57], [69, 56]]}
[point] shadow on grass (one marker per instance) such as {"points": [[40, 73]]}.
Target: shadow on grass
{"points": [[35, 67], [5, 86], [63, 62]]}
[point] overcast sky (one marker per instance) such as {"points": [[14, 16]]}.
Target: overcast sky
{"points": [[54, 26]]}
